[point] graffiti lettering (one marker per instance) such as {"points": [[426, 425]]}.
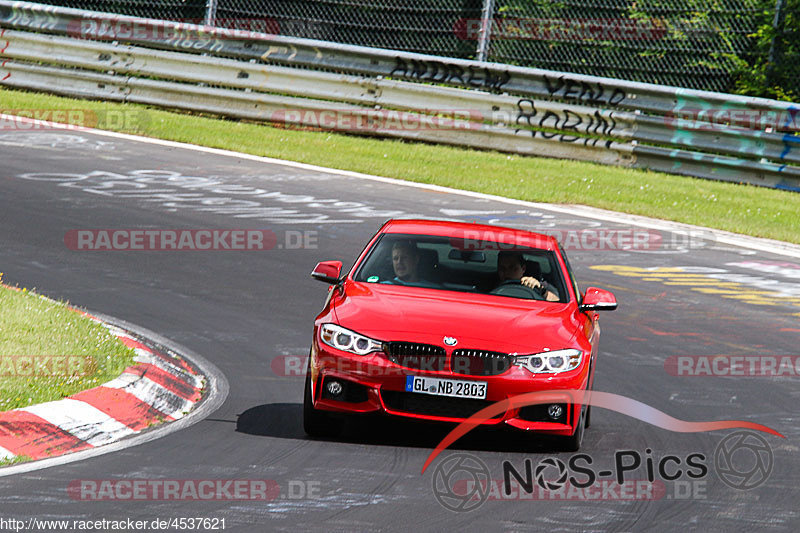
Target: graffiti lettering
{"points": [[21, 17], [212, 194], [566, 119], [592, 93], [195, 41], [439, 72]]}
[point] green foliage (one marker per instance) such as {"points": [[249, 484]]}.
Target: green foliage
{"points": [[718, 45], [38, 329], [715, 45], [780, 78]]}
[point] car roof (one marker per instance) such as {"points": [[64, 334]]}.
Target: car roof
{"points": [[472, 232]]}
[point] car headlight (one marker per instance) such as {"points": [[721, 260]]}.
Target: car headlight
{"points": [[550, 362], [348, 341]]}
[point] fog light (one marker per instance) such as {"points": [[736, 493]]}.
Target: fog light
{"points": [[334, 388], [555, 411]]}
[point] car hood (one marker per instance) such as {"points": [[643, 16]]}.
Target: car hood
{"points": [[477, 321]]}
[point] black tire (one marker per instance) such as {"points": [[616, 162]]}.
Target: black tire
{"points": [[589, 407], [317, 423], [574, 441]]}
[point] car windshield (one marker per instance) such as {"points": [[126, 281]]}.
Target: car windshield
{"points": [[437, 262]]}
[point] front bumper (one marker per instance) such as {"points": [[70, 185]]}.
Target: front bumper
{"points": [[373, 383]]}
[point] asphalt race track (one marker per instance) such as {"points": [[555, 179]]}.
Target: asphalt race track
{"points": [[242, 310]]}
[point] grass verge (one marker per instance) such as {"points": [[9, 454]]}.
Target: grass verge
{"points": [[48, 351], [749, 210], [15, 460]]}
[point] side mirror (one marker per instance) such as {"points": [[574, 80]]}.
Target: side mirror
{"points": [[328, 271], [598, 300]]}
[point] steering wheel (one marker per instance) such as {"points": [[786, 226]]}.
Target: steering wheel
{"points": [[515, 288]]}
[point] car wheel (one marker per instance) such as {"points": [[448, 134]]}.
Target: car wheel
{"points": [[317, 423], [589, 407], [574, 441]]}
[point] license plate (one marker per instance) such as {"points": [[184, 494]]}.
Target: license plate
{"points": [[446, 387]]}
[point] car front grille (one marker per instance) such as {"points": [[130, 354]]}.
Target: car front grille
{"points": [[432, 358], [416, 355], [424, 404], [479, 362]]}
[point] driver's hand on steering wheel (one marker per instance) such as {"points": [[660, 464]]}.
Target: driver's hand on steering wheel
{"points": [[531, 282]]}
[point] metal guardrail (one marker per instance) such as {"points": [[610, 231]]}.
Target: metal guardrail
{"points": [[296, 81]]}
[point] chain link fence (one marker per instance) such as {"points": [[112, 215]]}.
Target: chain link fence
{"points": [[424, 26], [738, 46], [688, 44], [186, 10]]}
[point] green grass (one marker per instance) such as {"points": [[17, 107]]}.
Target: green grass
{"points": [[750, 210], [15, 460], [31, 326]]}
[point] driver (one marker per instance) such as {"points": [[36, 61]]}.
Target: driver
{"points": [[405, 261], [511, 266]]}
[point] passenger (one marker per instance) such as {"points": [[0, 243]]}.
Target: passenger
{"points": [[511, 266]]}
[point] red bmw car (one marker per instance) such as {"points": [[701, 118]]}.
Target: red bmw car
{"points": [[437, 320]]}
